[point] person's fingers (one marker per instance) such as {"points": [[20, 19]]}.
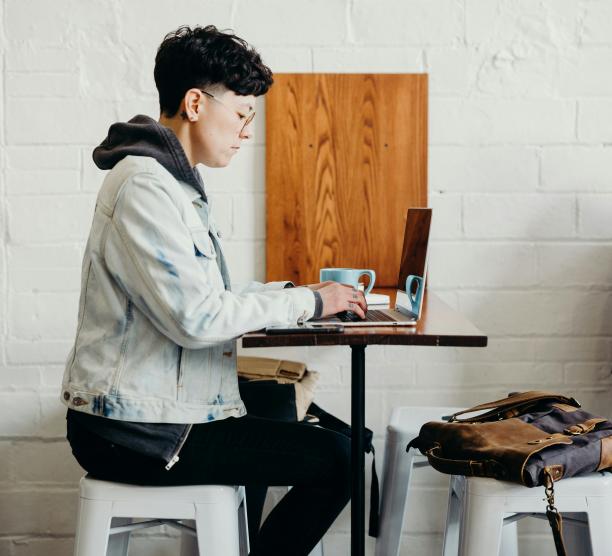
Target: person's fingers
{"points": [[359, 298], [356, 308], [354, 303], [362, 300], [365, 302], [340, 297]]}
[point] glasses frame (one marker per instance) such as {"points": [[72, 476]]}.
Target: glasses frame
{"points": [[248, 118]]}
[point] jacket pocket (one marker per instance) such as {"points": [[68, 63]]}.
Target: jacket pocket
{"points": [[199, 375], [203, 245]]}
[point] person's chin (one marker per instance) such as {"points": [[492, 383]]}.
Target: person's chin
{"points": [[220, 162], [228, 158]]}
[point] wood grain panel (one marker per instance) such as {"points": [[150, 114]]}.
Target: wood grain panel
{"points": [[346, 156]]}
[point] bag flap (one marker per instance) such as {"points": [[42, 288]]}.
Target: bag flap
{"points": [[265, 367], [511, 406], [469, 448]]}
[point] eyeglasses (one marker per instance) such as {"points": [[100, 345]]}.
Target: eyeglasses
{"points": [[247, 118]]}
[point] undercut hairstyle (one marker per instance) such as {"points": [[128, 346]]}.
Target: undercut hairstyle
{"points": [[204, 57]]}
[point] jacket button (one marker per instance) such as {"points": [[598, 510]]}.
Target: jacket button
{"points": [[66, 396], [79, 401]]}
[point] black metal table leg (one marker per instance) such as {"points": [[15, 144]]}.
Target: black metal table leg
{"points": [[357, 454]]}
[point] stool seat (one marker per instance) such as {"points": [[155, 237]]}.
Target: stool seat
{"points": [[480, 507], [215, 515], [582, 486], [100, 490], [176, 502]]}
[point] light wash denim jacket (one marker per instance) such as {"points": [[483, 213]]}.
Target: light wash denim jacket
{"points": [[156, 335]]}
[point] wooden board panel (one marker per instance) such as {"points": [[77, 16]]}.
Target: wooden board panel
{"points": [[346, 156]]}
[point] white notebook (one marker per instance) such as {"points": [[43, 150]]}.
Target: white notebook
{"points": [[377, 299]]}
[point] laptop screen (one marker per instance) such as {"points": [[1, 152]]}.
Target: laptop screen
{"points": [[414, 250]]}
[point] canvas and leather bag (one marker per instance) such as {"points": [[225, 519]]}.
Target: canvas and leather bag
{"points": [[532, 438]]}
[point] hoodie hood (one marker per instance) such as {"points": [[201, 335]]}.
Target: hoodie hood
{"points": [[143, 136]]}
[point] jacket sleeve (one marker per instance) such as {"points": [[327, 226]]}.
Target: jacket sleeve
{"points": [[268, 286], [150, 253]]}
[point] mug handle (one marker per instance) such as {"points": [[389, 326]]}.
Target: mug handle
{"points": [[372, 276], [415, 298]]}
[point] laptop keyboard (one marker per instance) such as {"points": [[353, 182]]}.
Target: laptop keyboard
{"points": [[371, 316]]}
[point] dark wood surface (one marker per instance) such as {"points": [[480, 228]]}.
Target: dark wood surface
{"points": [[440, 325], [346, 156]]}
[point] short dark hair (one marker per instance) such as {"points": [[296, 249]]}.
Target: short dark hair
{"points": [[205, 56]]}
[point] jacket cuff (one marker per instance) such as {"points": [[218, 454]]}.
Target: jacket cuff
{"points": [[303, 303]]}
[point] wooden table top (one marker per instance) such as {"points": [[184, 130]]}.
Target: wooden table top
{"points": [[439, 325]]}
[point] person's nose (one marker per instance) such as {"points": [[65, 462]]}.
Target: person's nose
{"points": [[247, 131]]}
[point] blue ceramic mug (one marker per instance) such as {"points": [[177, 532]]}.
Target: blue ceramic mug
{"points": [[414, 290], [348, 276]]}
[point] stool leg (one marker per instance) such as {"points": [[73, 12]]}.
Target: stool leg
{"points": [[93, 524], [509, 545], [395, 484], [217, 528], [576, 535], [481, 526], [317, 550], [189, 543], [453, 517], [118, 544], [243, 525], [600, 524]]}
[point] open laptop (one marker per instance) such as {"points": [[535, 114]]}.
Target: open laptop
{"points": [[410, 282]]}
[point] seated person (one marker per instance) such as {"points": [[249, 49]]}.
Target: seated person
{"points": [[151, 384]]}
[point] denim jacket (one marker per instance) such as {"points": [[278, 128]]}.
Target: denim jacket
{"points": [[156, 334]]}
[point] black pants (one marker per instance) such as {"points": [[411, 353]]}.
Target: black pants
{"points": [[249, 451]]}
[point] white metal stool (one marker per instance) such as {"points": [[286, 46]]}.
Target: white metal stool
{"points": [[478, 508], [210, 516], [405, 425]]}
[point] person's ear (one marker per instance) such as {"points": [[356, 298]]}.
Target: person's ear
{"points": [[191, 105]]}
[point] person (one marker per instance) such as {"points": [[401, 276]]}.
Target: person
{"points": [[151, 383]]}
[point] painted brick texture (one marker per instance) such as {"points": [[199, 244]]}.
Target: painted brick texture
{"points": [[520, 182]]}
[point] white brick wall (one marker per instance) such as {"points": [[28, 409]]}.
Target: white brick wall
{"points": [[520, 182]]}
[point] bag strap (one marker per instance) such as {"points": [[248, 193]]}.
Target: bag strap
{"points": [[554, 517], [511, 402], [374, 523], [331, 422]]}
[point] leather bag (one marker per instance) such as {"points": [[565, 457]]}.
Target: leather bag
{"points": [[532, 438]]}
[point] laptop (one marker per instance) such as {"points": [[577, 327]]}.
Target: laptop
{"points": [[410, 282]]}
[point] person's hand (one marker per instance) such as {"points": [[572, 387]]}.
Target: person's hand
{"points": [[320, 285], [338, 297]]}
